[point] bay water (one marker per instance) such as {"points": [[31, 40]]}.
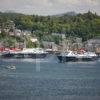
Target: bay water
{"points": [[47, 79]]}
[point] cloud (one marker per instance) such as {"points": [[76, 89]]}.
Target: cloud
{"points": [[48, 7]]}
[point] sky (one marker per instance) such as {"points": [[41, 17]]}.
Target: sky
{"points": [[49, 7]]}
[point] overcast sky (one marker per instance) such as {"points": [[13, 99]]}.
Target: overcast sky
{"points": [[49, 7]]}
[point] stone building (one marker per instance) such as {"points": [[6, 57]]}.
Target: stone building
{"points": [[93, 44]]}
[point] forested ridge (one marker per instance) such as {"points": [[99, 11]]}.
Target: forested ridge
{"points": [[85, 25]]}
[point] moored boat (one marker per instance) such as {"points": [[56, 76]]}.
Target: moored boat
{"points": [[26, 53], [70, 56]]}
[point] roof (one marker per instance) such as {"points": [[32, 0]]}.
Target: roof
{"points": [[94, 40]]}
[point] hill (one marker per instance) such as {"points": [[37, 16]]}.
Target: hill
{"points": [[85, 25]]}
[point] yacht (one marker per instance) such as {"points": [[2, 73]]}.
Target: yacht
{"points": [[26, 53], [71, 56]]}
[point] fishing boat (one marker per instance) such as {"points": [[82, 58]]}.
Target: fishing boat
{"points": [[26, 53], [71, 56]]}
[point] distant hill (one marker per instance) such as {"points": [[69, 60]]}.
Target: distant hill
{"points": [[72, 13]]}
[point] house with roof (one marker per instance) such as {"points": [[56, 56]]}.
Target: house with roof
{"points": [[93, 44]]}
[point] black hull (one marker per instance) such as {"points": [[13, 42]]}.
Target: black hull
{"points": [[90, 59], [75, 59], [19, 55], [67, 59]]}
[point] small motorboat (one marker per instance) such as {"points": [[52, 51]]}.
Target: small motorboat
{"points": [[11, 67]]}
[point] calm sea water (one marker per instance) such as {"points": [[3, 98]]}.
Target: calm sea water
{"points": [[47, 79]]}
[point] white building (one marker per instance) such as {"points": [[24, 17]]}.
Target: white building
{"points": [[18, 32], [59, 34], [26, 32], [92, 44], [34, 39]]}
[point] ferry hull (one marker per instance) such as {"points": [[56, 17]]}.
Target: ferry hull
{"points": [[75, 59], [24, 55]]}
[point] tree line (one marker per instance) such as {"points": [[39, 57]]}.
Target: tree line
{"points": [[85, 25]]}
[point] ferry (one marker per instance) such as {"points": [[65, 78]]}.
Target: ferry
{"points": [[26, 53], [71, 56]]}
